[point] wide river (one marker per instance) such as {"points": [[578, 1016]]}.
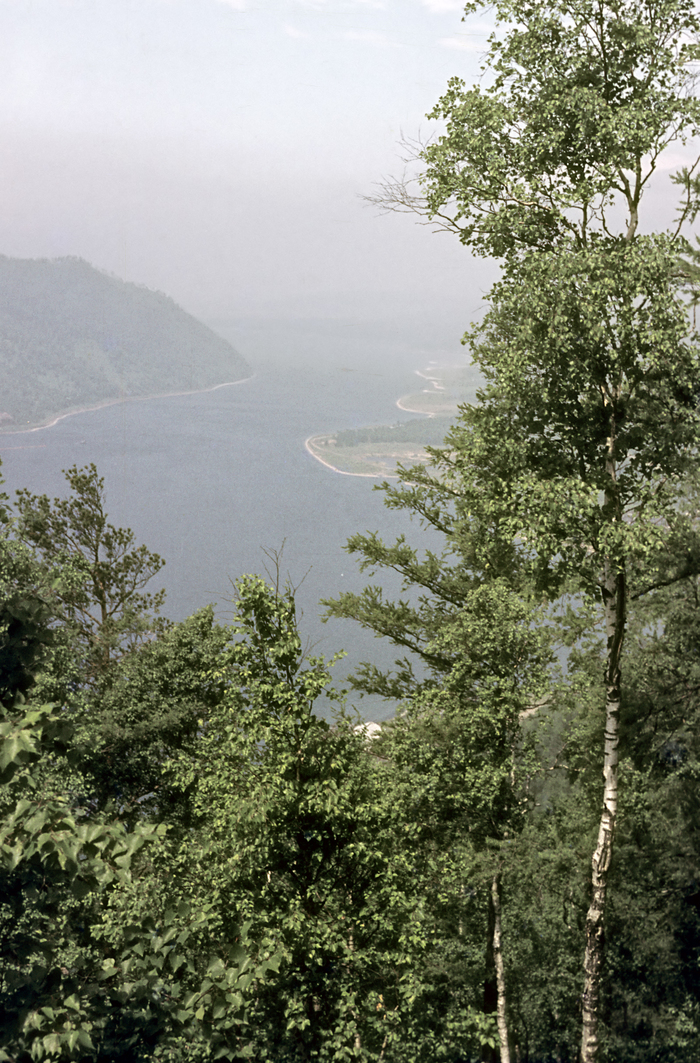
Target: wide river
{"points": [[212, 480]]}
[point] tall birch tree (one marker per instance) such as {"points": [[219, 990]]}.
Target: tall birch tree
{"points": [[588, 420]]}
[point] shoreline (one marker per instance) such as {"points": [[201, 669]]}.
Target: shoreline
{"points": [[116, 402], [410, 409], [425, 391], [344, 472], [400, 404]]}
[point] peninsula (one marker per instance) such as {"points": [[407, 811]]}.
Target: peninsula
{"points": [[376, 450]]}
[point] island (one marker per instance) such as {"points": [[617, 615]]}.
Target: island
{"points": [[73, 337]]}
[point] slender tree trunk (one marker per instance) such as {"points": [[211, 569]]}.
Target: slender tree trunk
{"points": [[494, 979], [615, 606], [501, 1015], [358, 1039], [488, 1054]]}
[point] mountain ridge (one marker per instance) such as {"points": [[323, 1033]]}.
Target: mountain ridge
{"points": [[73, 336]]}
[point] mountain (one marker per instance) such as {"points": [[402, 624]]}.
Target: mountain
{"points": [[72, 336]]}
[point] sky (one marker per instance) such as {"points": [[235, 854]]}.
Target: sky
{"points": [[218, 150]]}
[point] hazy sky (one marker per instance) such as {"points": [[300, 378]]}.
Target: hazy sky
{"points": [[217, 149]]}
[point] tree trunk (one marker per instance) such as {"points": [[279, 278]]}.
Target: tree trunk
{"points": [[615, 603], [488, 1054], [494, 980], [501, 1015]]}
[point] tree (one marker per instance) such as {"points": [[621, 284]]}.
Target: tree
{"points": [[95, 575], [588, 421], [455, 752], [95, 962], [135, 684], [80, 977], [283, 816], [25, 635], [158, 698], [479, 635], [654, 908], [297, 830]]}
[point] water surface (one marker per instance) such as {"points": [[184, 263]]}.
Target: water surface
{"points": [[212, 480]]}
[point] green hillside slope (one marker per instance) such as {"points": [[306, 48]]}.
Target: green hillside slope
{"points": [[71, 336]]}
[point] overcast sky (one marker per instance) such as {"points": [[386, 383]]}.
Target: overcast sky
{"points": [[217, 149]]}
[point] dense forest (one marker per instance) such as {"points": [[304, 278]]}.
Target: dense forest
{"points": [[72, 336], [196, 865]]}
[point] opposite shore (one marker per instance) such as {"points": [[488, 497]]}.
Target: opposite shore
{"points": [[117, 401]]}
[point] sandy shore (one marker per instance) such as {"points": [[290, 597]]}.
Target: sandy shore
{"points": [[402, 406], [116, 402], [436, 388], [308, 443], [410, 409]]}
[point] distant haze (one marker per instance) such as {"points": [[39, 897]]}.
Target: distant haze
{"points": [[216, 150]]}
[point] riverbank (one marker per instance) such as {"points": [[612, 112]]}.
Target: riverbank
{"points": [[376, 451], [54, 420]]}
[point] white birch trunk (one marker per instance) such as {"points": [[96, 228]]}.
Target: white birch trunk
{"points": [[615, 606], [501, 1014]]}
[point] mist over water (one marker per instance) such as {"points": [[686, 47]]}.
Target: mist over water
{"points": [[211, 480]]}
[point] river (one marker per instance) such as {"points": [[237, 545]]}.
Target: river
{"points": [[212, 480]]}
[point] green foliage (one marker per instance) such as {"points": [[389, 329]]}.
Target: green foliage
{"points": [[283, 837], [93, 573], [654, 990], [560, 484], [545, 896], [52, 860], [322, 896], [606, 336], [24, 638], [299, 832], [445, 618], [581, 100], [458, 755], [24, 614], [78, 978], [156, 702]]}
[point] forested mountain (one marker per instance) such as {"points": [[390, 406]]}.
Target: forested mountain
{"points": [[72, 336]]}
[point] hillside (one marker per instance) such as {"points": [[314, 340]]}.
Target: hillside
{"points": [[72, 336]]}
